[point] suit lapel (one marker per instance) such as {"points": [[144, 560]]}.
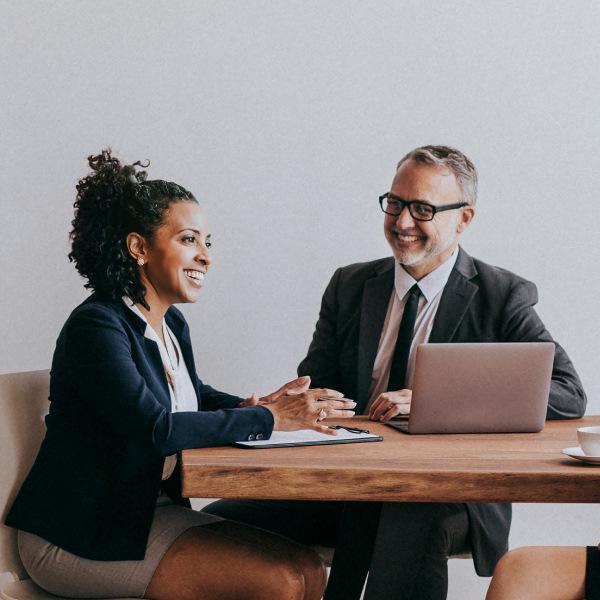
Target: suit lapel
{"points": [[151, 351], [188, 358], [182, 332], [456, 298], [375, 301]]}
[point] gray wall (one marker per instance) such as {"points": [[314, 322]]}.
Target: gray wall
{"points": [[286, 120]]}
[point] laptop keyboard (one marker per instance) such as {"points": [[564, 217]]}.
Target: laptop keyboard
{"points": [[399, 425]]}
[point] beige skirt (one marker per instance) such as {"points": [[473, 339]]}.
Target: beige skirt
{"points": [[65, 574]]}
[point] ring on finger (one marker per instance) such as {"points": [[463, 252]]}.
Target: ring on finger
{"points": [[322, 415]]}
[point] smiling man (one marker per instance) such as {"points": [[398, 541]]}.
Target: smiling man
{"points": [[430, 291], [419, 241]]}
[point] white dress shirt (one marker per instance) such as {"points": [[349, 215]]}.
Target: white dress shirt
{"points": [[431, 287], [181, 388]]}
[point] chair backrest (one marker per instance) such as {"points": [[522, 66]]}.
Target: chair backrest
{"points": [[23, 406]]}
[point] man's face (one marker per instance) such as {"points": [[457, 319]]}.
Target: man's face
{"points": [[422, 246]]}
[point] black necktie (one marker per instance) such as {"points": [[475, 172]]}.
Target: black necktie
{"points": [[400, 360]]}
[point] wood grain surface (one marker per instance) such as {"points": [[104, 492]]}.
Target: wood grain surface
{"points": [[519, 467]]}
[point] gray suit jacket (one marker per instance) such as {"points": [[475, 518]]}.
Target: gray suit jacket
{"points": [[480, 303]]}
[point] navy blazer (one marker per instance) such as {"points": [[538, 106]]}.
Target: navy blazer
{"points": [[479, 303], [93, 487]]}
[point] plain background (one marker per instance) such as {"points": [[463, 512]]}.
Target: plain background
{"points": [[286, 120]]}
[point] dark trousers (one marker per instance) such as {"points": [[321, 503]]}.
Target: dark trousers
{"points": [[414, 540]]}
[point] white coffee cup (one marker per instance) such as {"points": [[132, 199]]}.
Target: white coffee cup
{"points": [[589, 440]]}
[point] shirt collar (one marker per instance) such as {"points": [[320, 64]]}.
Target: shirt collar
{"points": [[431, 285], [149, 332]]}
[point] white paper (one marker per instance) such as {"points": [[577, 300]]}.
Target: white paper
{"points": [[308, 436]]}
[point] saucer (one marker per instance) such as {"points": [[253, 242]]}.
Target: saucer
{"points": [[577, 453]]}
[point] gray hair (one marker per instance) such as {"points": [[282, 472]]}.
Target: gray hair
{"points": [[444, 156]]}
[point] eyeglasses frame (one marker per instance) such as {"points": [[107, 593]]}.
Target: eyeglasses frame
{"points": [[409, 203]]}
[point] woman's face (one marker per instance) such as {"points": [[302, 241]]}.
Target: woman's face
{"points": [[178, 256]]}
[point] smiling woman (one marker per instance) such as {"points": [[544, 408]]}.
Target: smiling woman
{"points": [[101, 514], [174, 261]]}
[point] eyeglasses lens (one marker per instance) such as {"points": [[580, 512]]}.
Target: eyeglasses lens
{"points": [[421, 211], [418, 210]]}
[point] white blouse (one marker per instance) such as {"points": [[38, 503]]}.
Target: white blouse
{"points": [[181, 388]]}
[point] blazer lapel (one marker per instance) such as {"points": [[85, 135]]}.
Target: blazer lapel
{"points": [[456, 298], [152, 353], [182, 332], [375, 301], [188, 358]]}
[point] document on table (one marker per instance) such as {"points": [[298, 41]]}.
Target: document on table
{"points": [[309, 437]]}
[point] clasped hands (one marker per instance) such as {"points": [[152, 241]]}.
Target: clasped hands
{"points": [[295, 406]]}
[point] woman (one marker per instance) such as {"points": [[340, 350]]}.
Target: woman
{"points": [[547, 573], [100, 514]]}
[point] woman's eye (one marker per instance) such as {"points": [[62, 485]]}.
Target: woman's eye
{"points": [[190, 238], [208, 244]]}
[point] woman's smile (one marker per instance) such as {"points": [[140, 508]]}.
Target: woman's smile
{"points": [[196, 276]]}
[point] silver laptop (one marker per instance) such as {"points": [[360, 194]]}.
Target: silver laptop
{"points": [[480, 388]]}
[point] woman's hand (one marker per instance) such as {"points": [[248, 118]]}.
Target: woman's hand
{"points": [[297, 386], [304, 410], [390, 404]]}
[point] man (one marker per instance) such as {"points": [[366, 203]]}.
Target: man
{"points": [[459, 299]]}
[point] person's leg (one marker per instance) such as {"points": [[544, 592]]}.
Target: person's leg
{"points": [[354, 550], [540, 573], [230, 561], [308, 561], [305, 522], [449, 535], [412, 548]]}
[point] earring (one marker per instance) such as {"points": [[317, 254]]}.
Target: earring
{"points": [[140, 261]]}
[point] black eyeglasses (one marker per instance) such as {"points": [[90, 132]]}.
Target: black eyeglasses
{"points": [[420, 211]]}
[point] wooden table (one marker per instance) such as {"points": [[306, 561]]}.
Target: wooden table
{"points": [[519, 467], [403, 468]]}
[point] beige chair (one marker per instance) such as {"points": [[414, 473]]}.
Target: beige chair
{"points": [[23, 406]]}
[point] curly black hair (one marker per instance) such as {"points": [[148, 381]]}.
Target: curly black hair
{"points": [[113, 201]]}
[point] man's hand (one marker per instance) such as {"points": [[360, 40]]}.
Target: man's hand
{"points": [[390, 404]]}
